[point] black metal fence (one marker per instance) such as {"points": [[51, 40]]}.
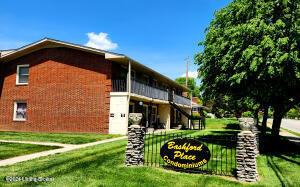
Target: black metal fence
{"points": [[222, 149], [198, 124]]}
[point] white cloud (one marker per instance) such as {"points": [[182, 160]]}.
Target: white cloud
{"points": [[192, 74], [100, 41]]}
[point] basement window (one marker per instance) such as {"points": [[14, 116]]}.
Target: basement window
{"points": [[20, 111], [22, 74]]}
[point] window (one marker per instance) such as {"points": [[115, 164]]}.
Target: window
{"points": [[22, 74], [20, 111]]}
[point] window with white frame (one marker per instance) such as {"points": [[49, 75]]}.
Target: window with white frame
{"points": [[20, 111], [22, 74]]}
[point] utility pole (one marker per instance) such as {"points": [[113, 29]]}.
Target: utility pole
{"points": [[187, 71]]}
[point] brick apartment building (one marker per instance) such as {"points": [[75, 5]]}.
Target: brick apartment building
{"points": [[55, 86]]}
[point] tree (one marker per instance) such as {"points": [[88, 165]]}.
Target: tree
{"points": [[265, 118], [251, 49], [293, 113], [228, 104], [192, 85]]}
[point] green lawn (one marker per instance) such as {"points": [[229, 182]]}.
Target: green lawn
{"points": [[8, 150], [103, 165], [68, 138], [229, 124], [292, 132]]}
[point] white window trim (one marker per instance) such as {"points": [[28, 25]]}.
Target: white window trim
{"points": [[18, 71], [15, 111]]}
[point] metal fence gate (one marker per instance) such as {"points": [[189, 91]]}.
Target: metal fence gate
{"points": [[222, 149]]}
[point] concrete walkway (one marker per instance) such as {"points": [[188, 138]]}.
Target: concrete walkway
{"points": [[65, 148], [38, 143]]}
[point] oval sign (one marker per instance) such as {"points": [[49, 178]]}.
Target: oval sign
{"points": [[185, 153]]}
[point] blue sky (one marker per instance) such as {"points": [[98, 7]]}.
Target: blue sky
{"points": [[159, 34]]}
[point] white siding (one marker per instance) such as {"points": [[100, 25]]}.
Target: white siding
{"points": [[118, 119]]}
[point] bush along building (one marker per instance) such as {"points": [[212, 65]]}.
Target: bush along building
{"points": [[55, 86]]}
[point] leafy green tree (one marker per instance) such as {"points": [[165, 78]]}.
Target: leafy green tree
{"points": [[228, 104], [192, 85], [293, 113], [251, 49]]}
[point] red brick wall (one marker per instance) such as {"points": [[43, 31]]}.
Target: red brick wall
{"points": [[68, 91]]}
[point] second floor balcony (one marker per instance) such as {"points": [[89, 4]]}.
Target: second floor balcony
{"points": [[143, 89]]}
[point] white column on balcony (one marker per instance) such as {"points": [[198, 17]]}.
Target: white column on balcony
{"points": [[128, 90], [129, 78]]}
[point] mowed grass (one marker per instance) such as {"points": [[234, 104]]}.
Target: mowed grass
{"points": [[67, 138], [8, 150], [292, 132], [229, 124], [103, 165], [279, 161]]}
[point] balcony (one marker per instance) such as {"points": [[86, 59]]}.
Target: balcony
{"points": [[143, 89], [148, 91], [182, 100]]}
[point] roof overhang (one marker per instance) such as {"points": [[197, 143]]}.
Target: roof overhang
{"points": [[46, 43], [122, 59], [119, 58]]}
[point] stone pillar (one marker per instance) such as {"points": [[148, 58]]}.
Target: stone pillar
{"points": [[256, 132], [135, 146], [246, 157]]}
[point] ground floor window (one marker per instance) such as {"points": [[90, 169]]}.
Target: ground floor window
{"points": [[20, 111]]}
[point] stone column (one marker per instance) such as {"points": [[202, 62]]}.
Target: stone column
{"points": [[246, 157], [135, 146], [256, 132]]}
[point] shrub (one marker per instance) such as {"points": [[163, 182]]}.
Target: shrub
{"points": [[293, 113], [130, 121], [195, 115], [247, 114]]}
